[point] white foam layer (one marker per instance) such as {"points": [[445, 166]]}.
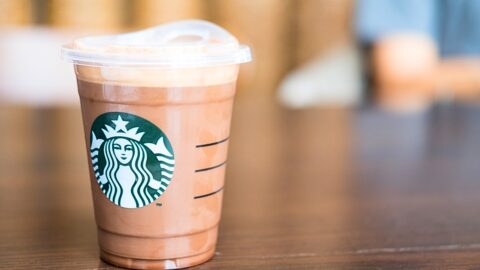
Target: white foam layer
{"points": [[158, 77]]}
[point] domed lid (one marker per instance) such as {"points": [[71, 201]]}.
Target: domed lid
{"points": [[181, 44]]}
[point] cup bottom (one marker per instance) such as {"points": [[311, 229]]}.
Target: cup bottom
{"points": [[157, 253], [177, 263]]}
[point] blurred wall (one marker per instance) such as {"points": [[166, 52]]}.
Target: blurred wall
{"points": [[321, 25], [283, 34], [16, 12]]}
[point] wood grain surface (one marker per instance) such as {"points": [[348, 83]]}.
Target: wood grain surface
{"points": [[327, 188]]}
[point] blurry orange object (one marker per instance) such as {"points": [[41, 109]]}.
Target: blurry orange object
{"points": [[404, 66]]}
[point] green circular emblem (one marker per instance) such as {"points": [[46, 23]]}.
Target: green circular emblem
{"points": [[132, 159]]}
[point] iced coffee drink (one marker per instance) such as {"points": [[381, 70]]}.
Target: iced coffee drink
{"points": [[156, 108]]}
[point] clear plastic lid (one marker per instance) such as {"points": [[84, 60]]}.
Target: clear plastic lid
{"points": [[181, 44]]}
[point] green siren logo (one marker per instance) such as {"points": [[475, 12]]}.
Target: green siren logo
{"points": [[132, 159]]}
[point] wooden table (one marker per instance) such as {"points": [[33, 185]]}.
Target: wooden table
{"points": [[324, 188]]}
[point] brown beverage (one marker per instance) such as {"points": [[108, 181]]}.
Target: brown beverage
{"points": [[157, 140]]}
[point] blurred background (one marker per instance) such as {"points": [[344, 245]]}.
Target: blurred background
{"points": [[399, 54], [284, 35], [331, 81]]}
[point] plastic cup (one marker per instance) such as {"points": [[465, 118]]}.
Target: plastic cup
{"points": [[156, 108]]}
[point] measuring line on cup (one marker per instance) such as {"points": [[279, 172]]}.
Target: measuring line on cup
{"points": [[213, 143], [211, 168], [208, 194]]}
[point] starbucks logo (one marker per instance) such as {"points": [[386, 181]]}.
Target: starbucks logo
{"points": [[132, 159]]}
